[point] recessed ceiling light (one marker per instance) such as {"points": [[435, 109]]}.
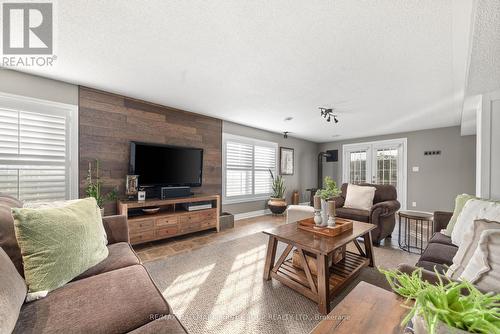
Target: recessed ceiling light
{"points": [[287, 119]]}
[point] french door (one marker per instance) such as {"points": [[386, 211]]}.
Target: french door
{"points": [[380, 162]]}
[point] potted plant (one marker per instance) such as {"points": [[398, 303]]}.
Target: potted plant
{"points": [[94, 188], [446, 307], [329, 191], [277, 202]]}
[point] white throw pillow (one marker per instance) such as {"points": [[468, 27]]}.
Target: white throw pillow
{"points": [[483, 268], [359, 197], [473, 209], [469, 245]]}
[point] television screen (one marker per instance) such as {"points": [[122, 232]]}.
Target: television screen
{"points": [[162, 165]]}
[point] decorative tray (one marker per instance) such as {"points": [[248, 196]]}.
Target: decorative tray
{"points": [[341, 226]]}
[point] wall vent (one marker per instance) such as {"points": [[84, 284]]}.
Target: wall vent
{"points": [[432, 152]]}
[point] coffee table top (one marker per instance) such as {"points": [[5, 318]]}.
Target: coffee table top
{"points": [[314, 243], [366, 309]]}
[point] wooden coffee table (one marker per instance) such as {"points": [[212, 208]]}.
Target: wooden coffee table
{"points": [[329, 280], [366, 309]]}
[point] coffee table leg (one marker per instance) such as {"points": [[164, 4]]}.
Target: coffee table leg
{"points": [[323, 284], [369, 248], [270, 257]]}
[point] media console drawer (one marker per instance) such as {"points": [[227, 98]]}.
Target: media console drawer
{"points": [[136, 226]]}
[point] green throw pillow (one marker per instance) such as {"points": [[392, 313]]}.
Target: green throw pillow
{"points": [[58, 244], [460, 201]]}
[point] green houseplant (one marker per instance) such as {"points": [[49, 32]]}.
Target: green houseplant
{"points": [[94, 188], [277, 202], [446, 307]]}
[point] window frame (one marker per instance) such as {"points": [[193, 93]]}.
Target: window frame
{"points": [[35, 105], [249, 141]]}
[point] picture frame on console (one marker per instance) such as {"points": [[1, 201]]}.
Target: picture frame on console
{"points": [[286, 161]]}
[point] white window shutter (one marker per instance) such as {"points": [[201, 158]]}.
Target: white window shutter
{"points": [[246, 168], [33, 155]]}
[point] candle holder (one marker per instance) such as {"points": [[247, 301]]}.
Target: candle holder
{"points": [[331, 221], [317, 218]]}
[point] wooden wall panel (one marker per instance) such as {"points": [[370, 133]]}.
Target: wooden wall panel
{"points": [[108, 123]]}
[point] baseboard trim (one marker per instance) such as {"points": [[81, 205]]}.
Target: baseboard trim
{"points": [[251, 214]]}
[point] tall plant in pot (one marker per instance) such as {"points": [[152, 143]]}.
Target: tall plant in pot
{"points": [[94, 188], [277, 202], [329, 191]]}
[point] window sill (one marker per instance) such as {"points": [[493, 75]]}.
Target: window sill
{"points": [[244, 200]]}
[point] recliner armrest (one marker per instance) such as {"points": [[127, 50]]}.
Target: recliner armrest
{"points": [[116, 228], [386, 207], [339, 201], [441, 220]]}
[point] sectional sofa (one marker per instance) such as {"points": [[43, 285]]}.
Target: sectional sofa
{"points": [[115, 296]]}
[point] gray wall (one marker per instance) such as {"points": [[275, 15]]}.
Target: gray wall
{"points": [[304, 170], [19, 83], [439, 179]]}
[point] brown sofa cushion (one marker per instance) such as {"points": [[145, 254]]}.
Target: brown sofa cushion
{"points": [[439, 253], [12, 293], [120, 255], [164, 325], [440, 238], [8, 239], [114, 302], [355, 214]]}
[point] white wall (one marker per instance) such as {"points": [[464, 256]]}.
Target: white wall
{"points": [[23, 84], [488, 160]]}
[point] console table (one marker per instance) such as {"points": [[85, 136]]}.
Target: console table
{"points": [[172, 219]]}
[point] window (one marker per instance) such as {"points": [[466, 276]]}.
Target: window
{"points": [[246, 168], [38, 149]]}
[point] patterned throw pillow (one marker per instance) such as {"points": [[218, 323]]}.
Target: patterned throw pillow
{"points": [[58, 244]]}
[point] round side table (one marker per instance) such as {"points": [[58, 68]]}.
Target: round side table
{"points": [[415, 226]]}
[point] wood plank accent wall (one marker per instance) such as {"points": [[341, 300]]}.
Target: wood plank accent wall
{"points": [[108, 123]]}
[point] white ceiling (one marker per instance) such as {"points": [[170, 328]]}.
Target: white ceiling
{"points": [[387, 66]]}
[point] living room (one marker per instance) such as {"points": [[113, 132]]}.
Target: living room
{"points": [[193, 167]]}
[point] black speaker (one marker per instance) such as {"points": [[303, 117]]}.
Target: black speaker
{"points": [[172, 192], [332, 155]]}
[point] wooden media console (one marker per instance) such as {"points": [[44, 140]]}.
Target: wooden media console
{"points": [[172, 219]]}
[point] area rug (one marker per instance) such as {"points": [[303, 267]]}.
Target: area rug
{"points": [[219, 289]]}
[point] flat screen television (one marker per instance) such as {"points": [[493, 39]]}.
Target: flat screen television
{"points": [[165, 165]]}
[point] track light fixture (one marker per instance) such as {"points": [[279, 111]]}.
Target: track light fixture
{"points": [[327, 113]]}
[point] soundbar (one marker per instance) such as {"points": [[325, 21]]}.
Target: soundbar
{"points": [[173, 192]]}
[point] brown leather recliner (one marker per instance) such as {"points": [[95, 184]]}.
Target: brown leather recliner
{"points": [[382, 213]]}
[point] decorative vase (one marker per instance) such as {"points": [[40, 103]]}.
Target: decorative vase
{"points": [[102, 212], [277, 205], [420, 327], [324, 212]]}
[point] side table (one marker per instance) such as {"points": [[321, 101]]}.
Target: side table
{"points": [[415, 226]]}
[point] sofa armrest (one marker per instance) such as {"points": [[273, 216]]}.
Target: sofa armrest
{"points": [[427, 275], [441, 220], [116, 228], [339, 201], [386, 208]]}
